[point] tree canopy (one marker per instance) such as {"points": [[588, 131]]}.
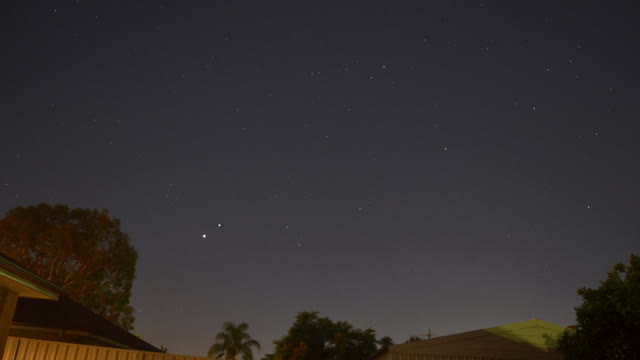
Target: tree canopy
{"points": [[82, 250], [608, 320], [319, 338], [233, 342], [385, 341], [413, 338]]}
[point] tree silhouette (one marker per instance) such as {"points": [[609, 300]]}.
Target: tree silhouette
{"points": [[608, 325], [81, 250], [312, 337], [385, 341], [233, 342]]}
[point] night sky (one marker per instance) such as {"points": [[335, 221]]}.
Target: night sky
{"points": [[402, 166]]}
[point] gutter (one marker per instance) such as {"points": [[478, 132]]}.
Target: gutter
{"points": [[18, 273]]}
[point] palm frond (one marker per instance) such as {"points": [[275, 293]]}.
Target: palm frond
{"points": [[228, 325], [216, 349], [251, 343], [233, 341], [222, 336], [243, 327]]}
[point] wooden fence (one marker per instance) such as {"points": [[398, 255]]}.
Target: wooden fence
{"points": [[19, 348]]}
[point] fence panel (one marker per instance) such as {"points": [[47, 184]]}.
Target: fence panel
{"points": [[19, 348]]}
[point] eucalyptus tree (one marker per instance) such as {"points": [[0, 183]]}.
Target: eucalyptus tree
{"points": [[81, 250]]}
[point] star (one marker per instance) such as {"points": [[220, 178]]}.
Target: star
{"points": [[219, 225], [204, 236]]}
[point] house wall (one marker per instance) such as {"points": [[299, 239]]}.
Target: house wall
{"points": [[18, 348]]}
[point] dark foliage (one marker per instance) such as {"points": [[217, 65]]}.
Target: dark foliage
{"points": [[233, 343], [81, 250], [319, 338], [608, 321]]}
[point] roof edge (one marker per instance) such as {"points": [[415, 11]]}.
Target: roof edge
{"points": [[18, 273], [382, 350]]}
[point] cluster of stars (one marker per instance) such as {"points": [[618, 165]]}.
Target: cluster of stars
{"points": [[204, 235]]}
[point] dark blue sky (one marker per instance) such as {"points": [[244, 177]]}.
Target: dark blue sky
{"points": [[450, 165]]}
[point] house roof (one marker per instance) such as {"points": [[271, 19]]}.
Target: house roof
{"points": [[524, 340], [66, 320], [43, 309], [25, 282], [535, 332]]}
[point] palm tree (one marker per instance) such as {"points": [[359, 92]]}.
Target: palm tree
{"points": [[232, 342]]}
